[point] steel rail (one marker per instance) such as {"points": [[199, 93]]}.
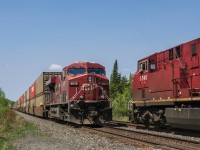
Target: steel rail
{"points": [[174, 144], [162, 136]]}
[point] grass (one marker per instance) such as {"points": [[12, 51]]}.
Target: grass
{"points": [[13, 127], [121, 118], [5, 144], [2, 107]]}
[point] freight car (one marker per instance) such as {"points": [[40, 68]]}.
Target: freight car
{"points": [[37, 92], [166, 88], [79, 94], [33, 100]]}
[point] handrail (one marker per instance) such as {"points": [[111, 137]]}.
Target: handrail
{"points": [[129, 103], [191, 86], [187, 77], [75, 95]]}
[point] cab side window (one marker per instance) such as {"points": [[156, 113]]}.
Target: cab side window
{"points": [[143, 66], [178, 52], [152, 65], [171, 54], [194, 49]]}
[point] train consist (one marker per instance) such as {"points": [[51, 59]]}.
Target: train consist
{"points": [[79, 94], [166, 88]]}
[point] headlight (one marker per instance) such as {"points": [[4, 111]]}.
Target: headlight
{"points": [[74, 83], [89, 79], [81, 97]]}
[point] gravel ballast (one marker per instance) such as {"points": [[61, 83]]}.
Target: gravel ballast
{"points": [[64, 137], [170, 135]]}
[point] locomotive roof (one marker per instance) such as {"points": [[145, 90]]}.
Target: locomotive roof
{"points": [[167, 49], [85, 65]]}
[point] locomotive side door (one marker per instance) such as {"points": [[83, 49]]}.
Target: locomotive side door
{"points": [[143, 69]]}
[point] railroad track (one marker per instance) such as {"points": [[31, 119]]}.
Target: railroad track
{"points": [[126, 123], [130, 124], [147, 139], [139, 138], [168, 130], [142, 138]]}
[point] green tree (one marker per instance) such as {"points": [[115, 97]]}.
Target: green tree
{"points": [[114, 81], [120, 103], [130, 83], [4, 102], [2, 93], [120, 91], [123, 84]]}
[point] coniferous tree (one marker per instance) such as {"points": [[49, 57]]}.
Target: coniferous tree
{"points": [[114, 81], [120, 91], [130, 83]]}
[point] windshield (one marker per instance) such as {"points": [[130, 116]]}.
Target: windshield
{"points": [[76, 70], [96, 71]]}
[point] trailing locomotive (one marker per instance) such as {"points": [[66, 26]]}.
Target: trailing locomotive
{"points": [[80, 94], [166, 88]]}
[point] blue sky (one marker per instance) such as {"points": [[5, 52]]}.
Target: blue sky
{"points": [[34, 34]]}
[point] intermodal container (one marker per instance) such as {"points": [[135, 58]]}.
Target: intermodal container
{"points": [[42, 79]]}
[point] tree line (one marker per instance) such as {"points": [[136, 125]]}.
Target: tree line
{"points": [[4, 102], [120, 91]]}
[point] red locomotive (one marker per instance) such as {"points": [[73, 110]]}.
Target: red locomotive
{"points": [[166, 88], [80, 94]]}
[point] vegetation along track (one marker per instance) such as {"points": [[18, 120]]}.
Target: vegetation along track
{"points": [[146, 139]]}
